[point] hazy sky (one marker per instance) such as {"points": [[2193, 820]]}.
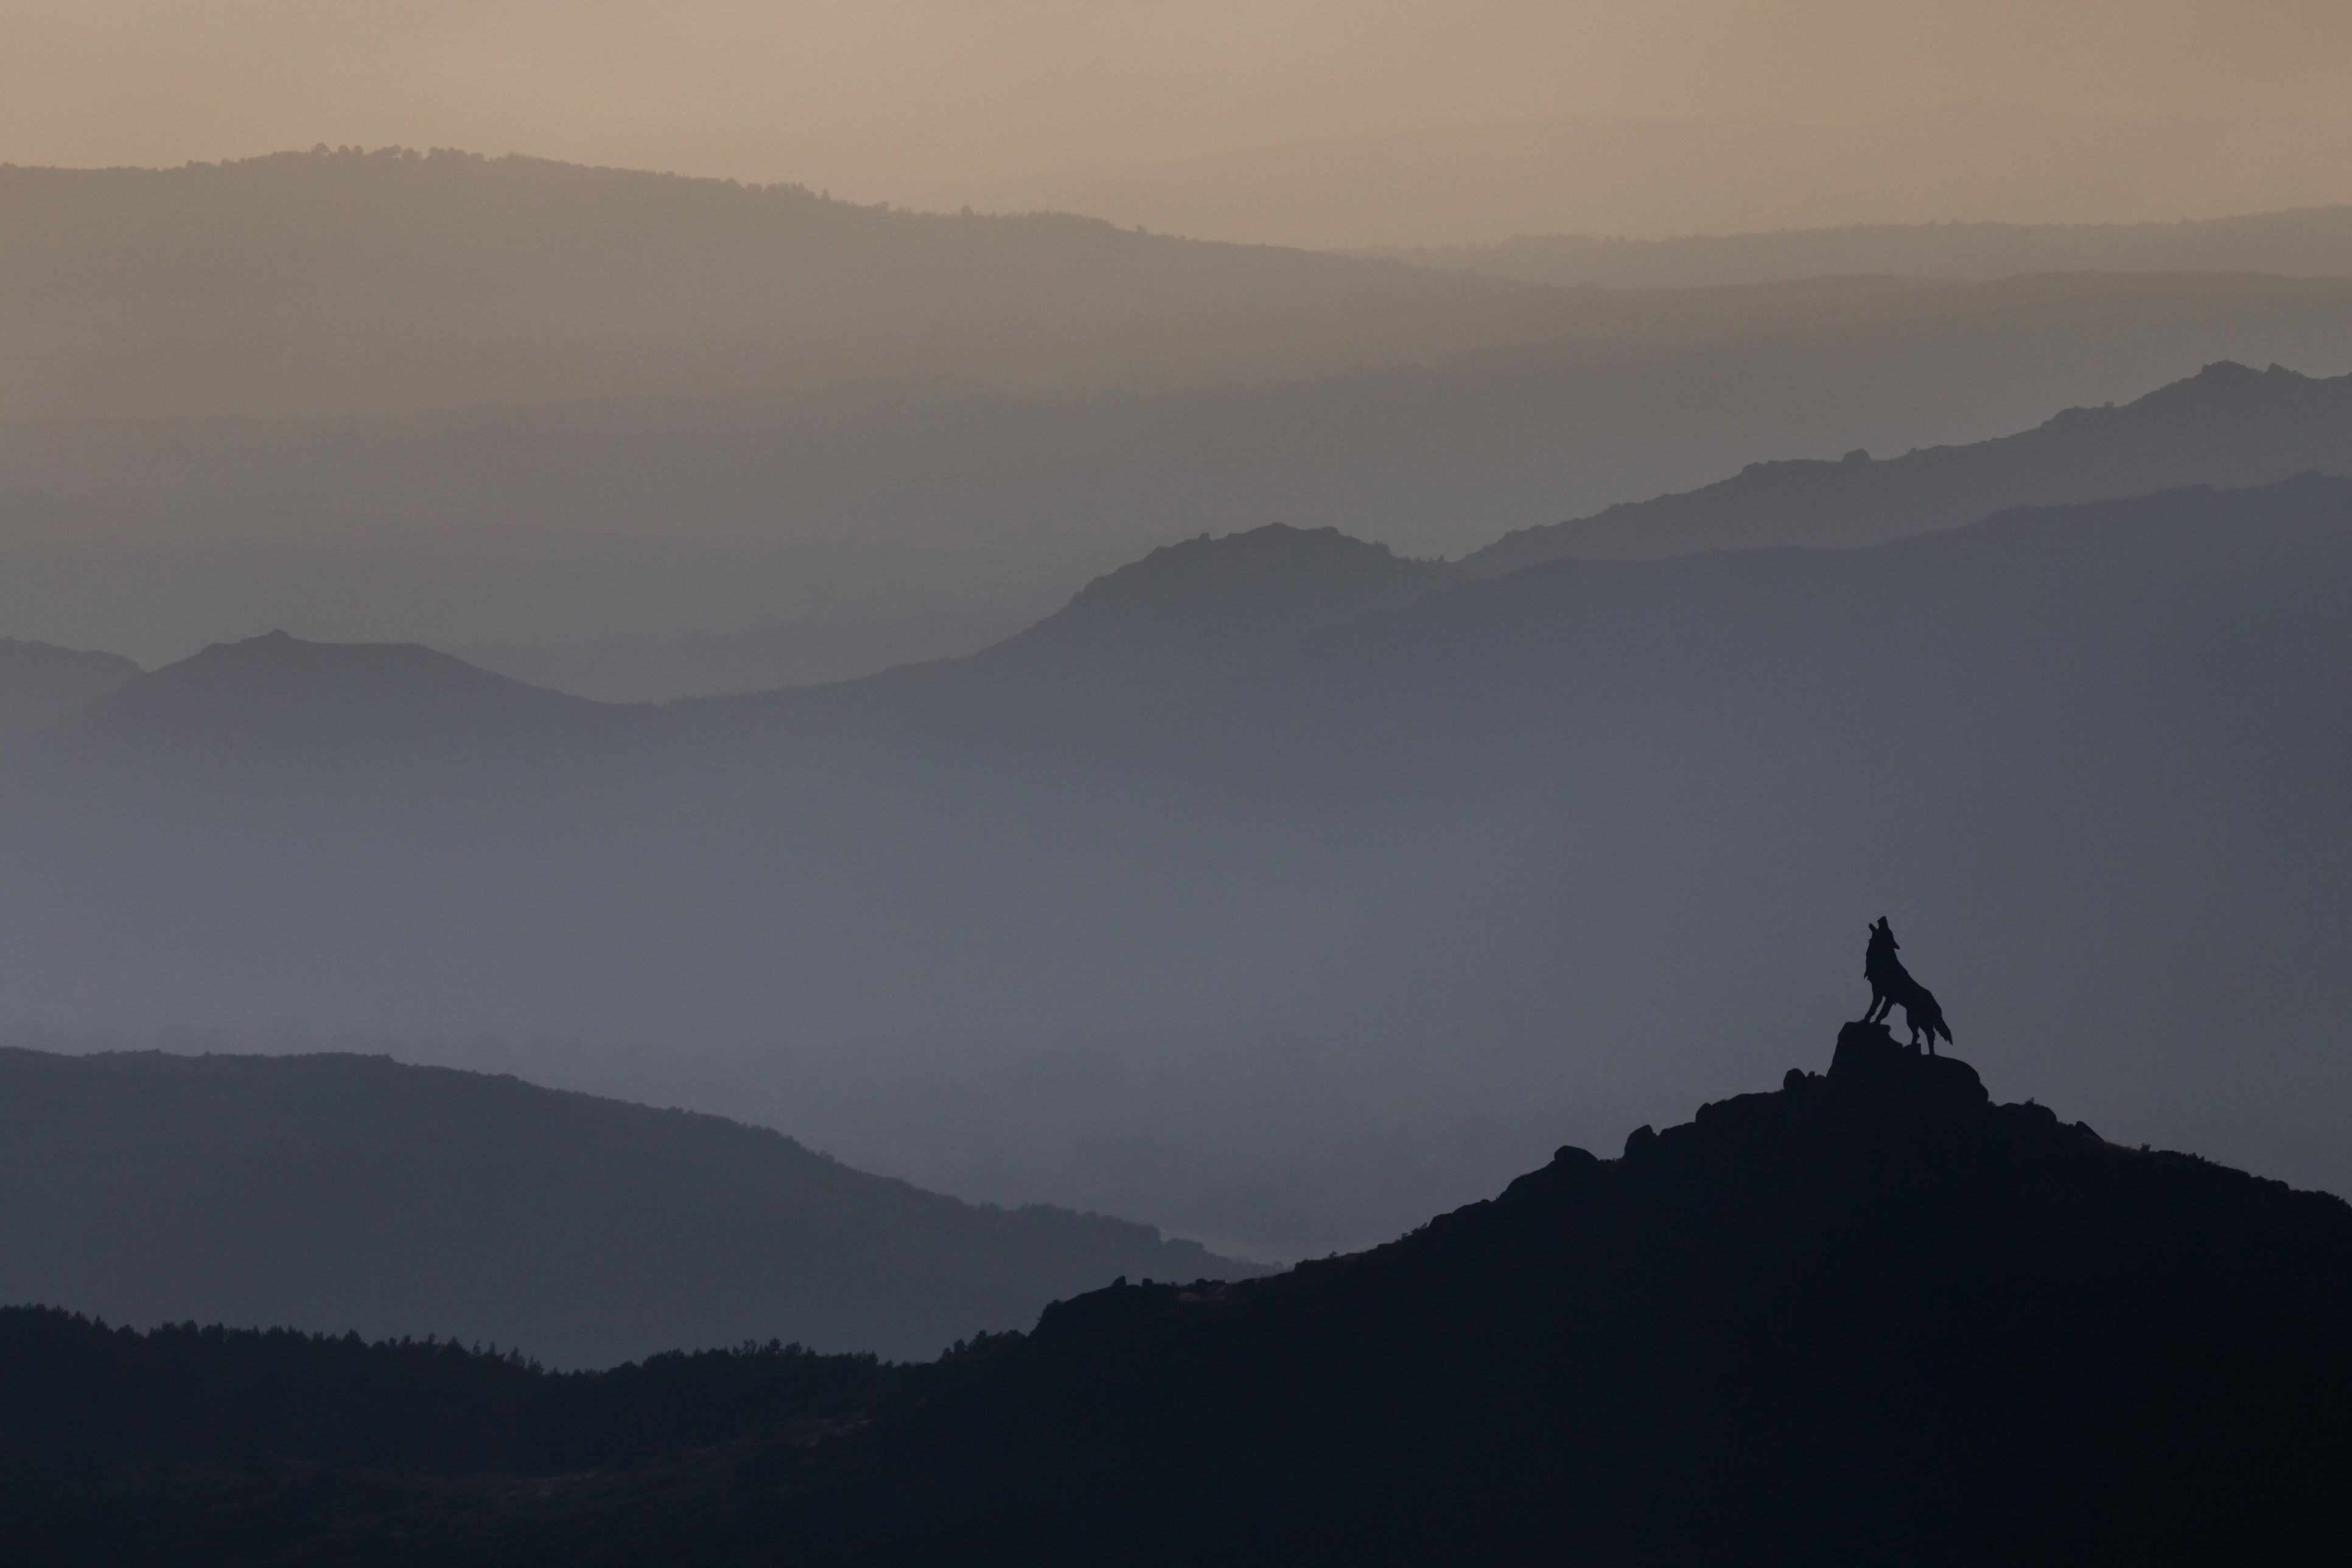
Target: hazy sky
{"points": [[922, 101]]}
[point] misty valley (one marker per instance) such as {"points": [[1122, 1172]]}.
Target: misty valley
{"points": [[697, 874]]}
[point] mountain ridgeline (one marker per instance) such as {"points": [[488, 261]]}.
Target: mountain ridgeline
{"points": [[2227, 426], [2303, 242], [344, 1192], [1869, 1317], [1432, 453], [1154, 910], [1189, 617], [394, 279], [38, 682]]}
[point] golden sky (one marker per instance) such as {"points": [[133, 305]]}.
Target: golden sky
{"points": [[923, 101]]}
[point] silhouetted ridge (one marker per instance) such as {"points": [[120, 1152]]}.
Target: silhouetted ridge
{"points": [[332, 1192], [83, 1396], [2227, 426], [1870, 1316]]}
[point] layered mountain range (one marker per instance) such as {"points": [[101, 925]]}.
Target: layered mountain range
{"points": [[350, 1193], [639, 437], [1154, 910], [654, 549]]}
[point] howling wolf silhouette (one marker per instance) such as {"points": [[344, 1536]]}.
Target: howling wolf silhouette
{"points": [[1891, 984]]}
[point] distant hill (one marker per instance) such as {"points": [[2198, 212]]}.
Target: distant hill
{"points": [[1440, 186], [605, 613], [498, 525], [1870, 1316], [276, 691], [395, 280], [2226, 426], [995, 928], [1193, 615], [340, 1192], [38, 682], [2307, 242]]}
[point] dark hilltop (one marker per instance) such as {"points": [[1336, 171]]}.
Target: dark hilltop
{"points": [[1870, 1316]]}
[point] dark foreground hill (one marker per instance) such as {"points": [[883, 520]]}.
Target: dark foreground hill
{"points": [[343, 1191], [1869, 1318], [2226, 426]]}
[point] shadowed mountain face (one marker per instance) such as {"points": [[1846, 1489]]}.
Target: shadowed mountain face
{"points": [[38, 682], [2226, 426], [340, 1193], [977, 926], [1872, 1317]]}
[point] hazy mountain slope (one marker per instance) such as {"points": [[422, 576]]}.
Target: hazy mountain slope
{"points": [[1191, 616], [1428, 460], [1297, 954], [2304, 242], [390, 280], [1869, 1318], [642, 667], [1631, 174], [38, 682], [335, 1192], [276, 693], [2226, 426], [160, 583]]}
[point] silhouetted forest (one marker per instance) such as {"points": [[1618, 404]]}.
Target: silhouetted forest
{"points": [[1870, 1316], [88, 1399]]}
